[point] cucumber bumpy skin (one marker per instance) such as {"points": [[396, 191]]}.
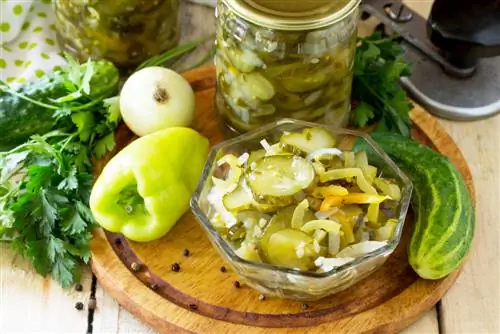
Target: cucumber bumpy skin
{"points": [[445, 219]]}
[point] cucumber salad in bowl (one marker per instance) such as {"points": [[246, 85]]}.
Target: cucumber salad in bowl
{"points": [[302, 203]]}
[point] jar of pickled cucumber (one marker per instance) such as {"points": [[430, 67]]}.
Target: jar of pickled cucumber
{"points": [[126, 32], [278, 59]]}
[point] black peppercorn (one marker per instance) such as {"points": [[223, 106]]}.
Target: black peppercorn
{"points": [[223, 269], [236, 284], [176, 267], [79, 306], [193, 306], [186, 252], [118, 241], [78, 287], [154, 286], [262, 297], [136, 267]]}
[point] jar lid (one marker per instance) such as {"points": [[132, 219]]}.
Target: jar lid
{"points": [[292, 14]]}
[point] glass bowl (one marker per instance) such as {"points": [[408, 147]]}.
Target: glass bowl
{"points": [[291, 283]]}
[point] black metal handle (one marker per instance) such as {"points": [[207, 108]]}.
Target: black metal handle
{"points": [[465, 30]]}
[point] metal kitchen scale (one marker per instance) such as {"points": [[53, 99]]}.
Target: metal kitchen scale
{"points": [[455, 54]]}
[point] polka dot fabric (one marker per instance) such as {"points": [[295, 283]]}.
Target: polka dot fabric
{"points": [[28, 47]]}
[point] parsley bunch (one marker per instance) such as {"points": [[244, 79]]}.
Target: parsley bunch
{"points": [[378, 66], [43, 204], [45, 182]]}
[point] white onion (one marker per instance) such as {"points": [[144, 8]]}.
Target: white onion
{"points": [[156, 98]]}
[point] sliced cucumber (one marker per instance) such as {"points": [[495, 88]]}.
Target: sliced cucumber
{"points": [[385, 232], [275, 179], [238, 200], [308, 140], [299, 214], [241, 199], [292, 249], [248, 251], [388, 188], [256, 155], [233, 175], [278, 222]]}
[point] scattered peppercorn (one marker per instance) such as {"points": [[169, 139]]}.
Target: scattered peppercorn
{"points": [[223, 269], [79, 306], [78, 287], [154, 286], [136, 267], [118, 241], [304, 306], [92, 303], [186, 252], [262, 297], [193, 306], [176, 267], [236, 284]]}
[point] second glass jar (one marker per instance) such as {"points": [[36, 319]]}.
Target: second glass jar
{"points": [[126, 32], [270, 71]]}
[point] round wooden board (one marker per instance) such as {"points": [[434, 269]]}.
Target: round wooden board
{"points": [[202, 299]]}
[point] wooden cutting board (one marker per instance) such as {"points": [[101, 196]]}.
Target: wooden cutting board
{"points": [[200, 298]]}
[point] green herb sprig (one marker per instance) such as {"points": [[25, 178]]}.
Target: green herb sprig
{"points": [[378, 66]]}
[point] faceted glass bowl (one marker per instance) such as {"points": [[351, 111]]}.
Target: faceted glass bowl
{"points": [[290, 283]]}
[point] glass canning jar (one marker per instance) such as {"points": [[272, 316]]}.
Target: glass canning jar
{"points": [[278, 59], [126, 32]]}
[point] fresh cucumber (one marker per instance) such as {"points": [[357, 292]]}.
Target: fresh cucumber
{"points": [[444, 228], [20, 118]]}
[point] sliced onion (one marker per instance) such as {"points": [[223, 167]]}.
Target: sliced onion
{"points": [[327, 264], [361, 249], [266, 146], [333, 243], [320, 152]]}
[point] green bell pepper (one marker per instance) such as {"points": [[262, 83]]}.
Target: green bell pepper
{"points": [[146, 187]]}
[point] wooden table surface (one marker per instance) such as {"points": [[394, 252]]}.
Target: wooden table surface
{"points": [[31, 304]]}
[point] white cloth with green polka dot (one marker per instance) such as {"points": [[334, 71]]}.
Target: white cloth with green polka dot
{"points": [[28, 40], [28, 45]]}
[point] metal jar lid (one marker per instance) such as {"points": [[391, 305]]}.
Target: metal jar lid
{"points": [[292, 14]]}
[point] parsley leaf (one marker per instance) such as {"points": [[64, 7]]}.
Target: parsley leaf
{"points": [[85, 122], [70, 182], [104, 145], [362, 114], [113, 110], [75, 224], [63, 271]]}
